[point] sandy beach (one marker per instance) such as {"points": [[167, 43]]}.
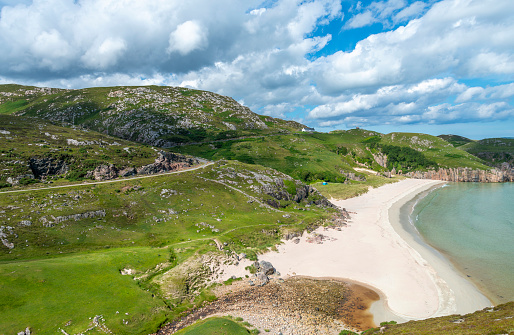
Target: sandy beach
{"points": [[413, 280]]}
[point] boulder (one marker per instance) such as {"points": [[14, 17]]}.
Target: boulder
{"points": [[261, 279], [105, 172], [266, 267]]}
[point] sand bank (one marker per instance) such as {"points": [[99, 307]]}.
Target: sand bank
{"points": [[414, 280]]}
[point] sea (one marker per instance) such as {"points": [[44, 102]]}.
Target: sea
{"points": [[472, 224]]}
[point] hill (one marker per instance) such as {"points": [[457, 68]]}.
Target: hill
{"points": [[495, 320], [494, 151], [337, 156], [35, 151], [100, 232], [455, 140], [137, 252], [153, 115]]}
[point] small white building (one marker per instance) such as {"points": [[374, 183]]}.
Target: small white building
{"points": [[308, 130]]}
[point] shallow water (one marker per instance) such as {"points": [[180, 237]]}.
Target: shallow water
{"points": [[473, 225]]}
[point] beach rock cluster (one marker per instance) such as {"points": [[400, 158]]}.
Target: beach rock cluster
{"points": [[264, 269], [296, 306], [505, 174]]}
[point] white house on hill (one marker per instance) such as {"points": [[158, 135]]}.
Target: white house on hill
{"points": [[307, 129]]}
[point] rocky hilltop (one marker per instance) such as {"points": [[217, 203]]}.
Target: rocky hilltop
{"points": [[154, 115]]}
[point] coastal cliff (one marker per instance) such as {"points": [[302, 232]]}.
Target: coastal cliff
{"points": [[504, 174]]}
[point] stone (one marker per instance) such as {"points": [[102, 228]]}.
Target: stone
{"points": [[105, 172], [267, 268], [261, 279]]}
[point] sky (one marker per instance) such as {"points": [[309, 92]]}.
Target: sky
{"points": [[436, 67]]}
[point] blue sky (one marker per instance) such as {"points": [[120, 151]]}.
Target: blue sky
{"points": [[394, 65]]}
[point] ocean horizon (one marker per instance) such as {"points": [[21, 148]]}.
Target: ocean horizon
{"points": [[471, 224]]}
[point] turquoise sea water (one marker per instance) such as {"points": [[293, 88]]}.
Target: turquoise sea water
{"points": [[473, 225]]}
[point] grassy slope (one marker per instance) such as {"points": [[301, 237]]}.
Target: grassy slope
{"points": [[215, 326], [455, 140], [434, 148], [302, 153], [355, 188], [29, 137], [150, 114], [138, 223], [497, 320], [492, 150], [291, 154], [47, 294]]}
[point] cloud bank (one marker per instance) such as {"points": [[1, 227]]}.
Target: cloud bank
{"points": [[411, 62]]}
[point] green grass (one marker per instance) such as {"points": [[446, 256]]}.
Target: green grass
{"points": [[435, 149], [455, 140], [354, 188], [490, 321], [69, 270], [10, 107], [215, 326], [324, 156], [47, 294], [493, 150]]}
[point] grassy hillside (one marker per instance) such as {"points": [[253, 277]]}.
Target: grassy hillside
{"points": [[492, 150], [154, 115], [496, 320], [331, 156], [455, 140], [435, 149], [23, 138], [63, 250], [217, 326]]}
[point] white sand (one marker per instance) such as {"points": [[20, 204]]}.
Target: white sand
{"points": [[414, 280]]}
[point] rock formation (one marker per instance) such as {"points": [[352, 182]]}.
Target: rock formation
{"points": [[165, 162], [505, 174], [42, 167]]}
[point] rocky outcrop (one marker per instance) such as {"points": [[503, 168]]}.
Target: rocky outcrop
{"points": [[77, 217], [353, 176], [16, 180], [105, 172], [380, 158], [25, 332], [165, 162], [48, 166], [278, 191], [505, 174], [4, 231]]}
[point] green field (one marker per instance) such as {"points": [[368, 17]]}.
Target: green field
{"points": [[68, 292], [216, 326], [64, 271]]}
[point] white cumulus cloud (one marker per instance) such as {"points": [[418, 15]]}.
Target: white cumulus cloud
{"points": [[189, 36]]}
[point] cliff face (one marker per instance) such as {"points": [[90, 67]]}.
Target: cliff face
{"points": [[505, 174]]}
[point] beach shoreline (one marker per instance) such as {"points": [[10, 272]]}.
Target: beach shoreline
{"points": [[413, 280]]}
